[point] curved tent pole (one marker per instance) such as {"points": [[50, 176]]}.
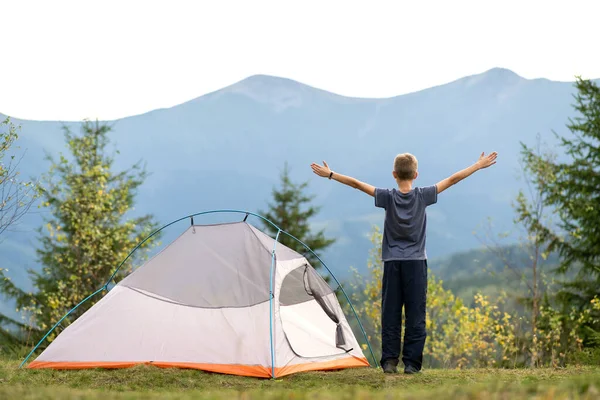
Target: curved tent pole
{"points": [[343, 291], [231, 211]]}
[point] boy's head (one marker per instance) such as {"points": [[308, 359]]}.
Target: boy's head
{"points": [[405, 167]]}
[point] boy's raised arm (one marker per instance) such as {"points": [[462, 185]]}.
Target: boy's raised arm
{"points": [[325, 172], [483, 162]]}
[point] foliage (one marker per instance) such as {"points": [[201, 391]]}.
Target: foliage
{"points": [[480, 333], [558, 336], [366, 293], [87, 233], [529, 270], [572, 189], [291, 211], [16, 196]]}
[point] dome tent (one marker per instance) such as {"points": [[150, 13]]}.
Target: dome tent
{"points": [[224, 298]]}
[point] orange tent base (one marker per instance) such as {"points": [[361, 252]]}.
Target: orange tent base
{"points": [[231, 369]]}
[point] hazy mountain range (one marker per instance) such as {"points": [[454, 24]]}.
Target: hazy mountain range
{"points": [[227, 148]]}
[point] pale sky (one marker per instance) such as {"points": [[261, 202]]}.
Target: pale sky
{"points": [[69, 60]]}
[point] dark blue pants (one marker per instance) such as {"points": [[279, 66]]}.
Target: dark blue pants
{"points": [[404, 285]]}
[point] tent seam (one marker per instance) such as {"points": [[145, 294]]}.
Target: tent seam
{"points": [[171, 301]]}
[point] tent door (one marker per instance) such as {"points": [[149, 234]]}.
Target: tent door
{"points": [[312, 327]]}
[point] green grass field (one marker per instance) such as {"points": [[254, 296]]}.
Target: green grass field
{"points": [[154, 383]]}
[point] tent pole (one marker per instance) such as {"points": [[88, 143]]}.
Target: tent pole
{"points": [[271, 296], [343, 291]]}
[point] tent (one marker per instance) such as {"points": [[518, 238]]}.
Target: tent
{"points": [[224, 298]]}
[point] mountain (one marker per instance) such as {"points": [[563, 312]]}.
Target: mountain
{"points": [[227, 148], [486, 271]]}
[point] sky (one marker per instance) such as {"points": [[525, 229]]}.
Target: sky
{"points": [[71, 60]]}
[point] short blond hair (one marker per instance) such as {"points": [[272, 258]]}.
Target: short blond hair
{"points": [[405, 165]]}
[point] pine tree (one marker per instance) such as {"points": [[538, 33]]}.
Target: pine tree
{"points": [[291, 211], [87, 234], [572, 189]]}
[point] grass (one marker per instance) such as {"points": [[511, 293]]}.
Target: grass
{"points": [[155, 383]]}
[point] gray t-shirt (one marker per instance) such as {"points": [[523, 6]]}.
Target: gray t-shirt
{"points": [[405, 222]]}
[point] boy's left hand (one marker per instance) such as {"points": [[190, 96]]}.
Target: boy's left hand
{"points": [[321, 170]]}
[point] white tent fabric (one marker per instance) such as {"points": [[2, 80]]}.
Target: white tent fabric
{"points": [[203, 302]]}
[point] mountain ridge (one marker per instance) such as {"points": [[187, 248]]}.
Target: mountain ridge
{"points": [[265, 80], [273, 79]]}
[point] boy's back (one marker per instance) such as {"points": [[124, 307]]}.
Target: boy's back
{"points": [[405, 223]]}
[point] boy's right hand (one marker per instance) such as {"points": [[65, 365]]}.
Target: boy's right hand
{"points": [[486, 161], [483, 162]]}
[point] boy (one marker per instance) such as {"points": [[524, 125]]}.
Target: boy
{"points": [[403, 254]]}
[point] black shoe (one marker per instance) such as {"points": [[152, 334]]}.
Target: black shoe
{"points": [[409, 369], [389, 367]]}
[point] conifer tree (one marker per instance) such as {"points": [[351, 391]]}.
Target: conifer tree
{"points": [[292, 211]]}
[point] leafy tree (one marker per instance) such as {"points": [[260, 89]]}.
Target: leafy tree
{"points": [[16, 196], [529, 270], [87, 233], [291, 211], [572, 189]]}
